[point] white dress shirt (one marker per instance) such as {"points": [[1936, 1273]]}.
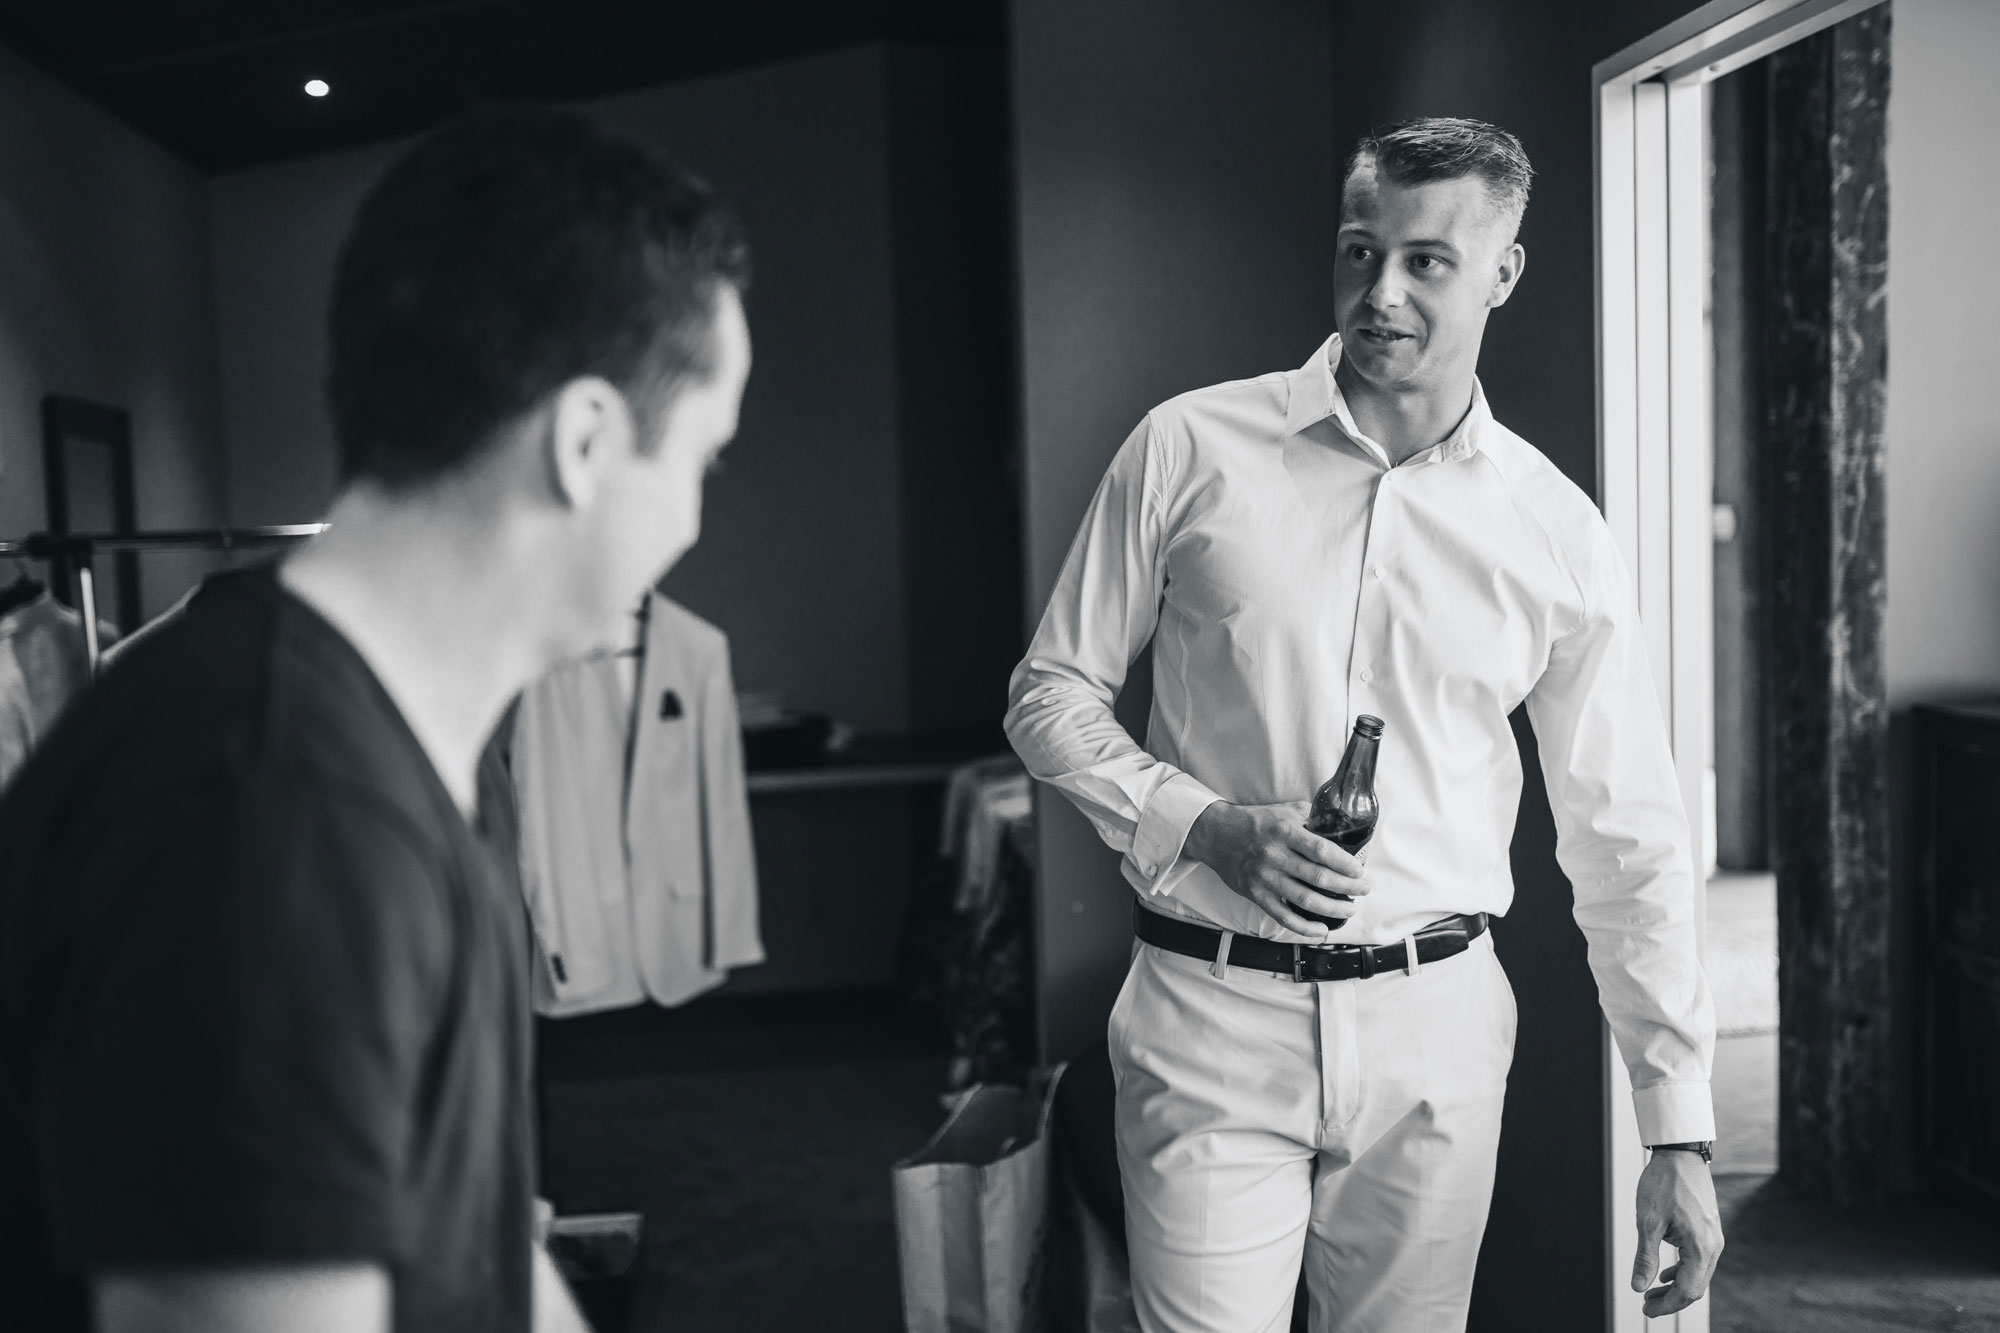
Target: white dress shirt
{"points": [[1290, 578]]}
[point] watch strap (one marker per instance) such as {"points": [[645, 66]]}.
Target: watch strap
{"points": [[1705, 1149]]}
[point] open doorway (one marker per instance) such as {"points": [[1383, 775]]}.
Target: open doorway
{"points": [[1693, 444], [1744, 257]]}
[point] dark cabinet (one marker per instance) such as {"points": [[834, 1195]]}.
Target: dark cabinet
{"points": [[1961, 946]]}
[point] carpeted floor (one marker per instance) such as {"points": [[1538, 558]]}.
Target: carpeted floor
{"points": [[758, 1144]]}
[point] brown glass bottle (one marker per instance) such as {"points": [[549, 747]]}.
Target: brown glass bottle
{"points": [[1344, 810]]}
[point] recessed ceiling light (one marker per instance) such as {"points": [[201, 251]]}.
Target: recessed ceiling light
{"points": [[317, 88]]}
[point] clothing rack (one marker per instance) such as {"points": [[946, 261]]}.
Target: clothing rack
{"points": [[76, 550]]}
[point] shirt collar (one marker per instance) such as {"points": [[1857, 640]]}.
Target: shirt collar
{"points": [[1315, 396]]}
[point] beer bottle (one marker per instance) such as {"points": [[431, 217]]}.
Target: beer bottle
{"points": [[1344, 811]]}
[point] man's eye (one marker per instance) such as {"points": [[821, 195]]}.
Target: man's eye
{"points": [[1360, 254], [1426, 263]]}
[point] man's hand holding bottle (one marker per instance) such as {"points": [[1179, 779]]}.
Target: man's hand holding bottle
{"points": [[1264, 853], [1300, 861]]}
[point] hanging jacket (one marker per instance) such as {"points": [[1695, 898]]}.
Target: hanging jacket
{"points": [[635, 851], [43, 665]]}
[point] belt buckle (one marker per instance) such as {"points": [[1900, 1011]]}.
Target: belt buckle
{"points": [[1324, 953], [1300, 952]]}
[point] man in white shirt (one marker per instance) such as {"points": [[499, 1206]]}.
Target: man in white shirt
{"points": [[1361, 536]]}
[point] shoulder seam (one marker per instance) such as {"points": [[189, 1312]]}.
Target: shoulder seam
{"points": [[1152, 460], [1223, 386], [1555, 547]]}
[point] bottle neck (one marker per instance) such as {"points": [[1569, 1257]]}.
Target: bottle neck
{"points": [[1357, 766]]}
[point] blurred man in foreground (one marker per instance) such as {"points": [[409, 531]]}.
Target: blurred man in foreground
{"points": [[264, 1015]]}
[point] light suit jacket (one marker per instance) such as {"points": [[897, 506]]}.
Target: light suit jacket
{"points": [[635, 851]]}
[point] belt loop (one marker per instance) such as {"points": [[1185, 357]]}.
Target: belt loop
{"points": [[1219, 969], [1411, 963]]}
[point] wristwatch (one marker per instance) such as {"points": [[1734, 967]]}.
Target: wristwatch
{"points": [[1702, 1148]]}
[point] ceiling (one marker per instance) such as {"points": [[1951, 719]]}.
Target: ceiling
{"points": [[220, 82]]}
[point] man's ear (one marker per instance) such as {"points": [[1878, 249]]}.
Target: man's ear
{"points": [[1513, 260], [589, 424]]}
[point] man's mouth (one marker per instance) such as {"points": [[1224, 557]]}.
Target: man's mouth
{"points": [[1385, 337]]}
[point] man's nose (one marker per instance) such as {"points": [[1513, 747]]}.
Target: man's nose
{"points": [[1386, 292]]}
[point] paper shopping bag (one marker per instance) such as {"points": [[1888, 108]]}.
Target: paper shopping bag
{"points": [[971, 1210]]}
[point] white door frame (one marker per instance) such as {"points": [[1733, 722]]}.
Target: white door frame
{"points": [[1655, 427]]}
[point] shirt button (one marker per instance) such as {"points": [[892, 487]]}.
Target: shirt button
{"points": [[1378, 571], [1367, 676]]}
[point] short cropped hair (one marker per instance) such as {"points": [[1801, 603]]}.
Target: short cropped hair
{"points": [[499, 258], [1438, 148]]}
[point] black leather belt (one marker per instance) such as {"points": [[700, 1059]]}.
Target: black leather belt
{"points": [[1308, 962]]}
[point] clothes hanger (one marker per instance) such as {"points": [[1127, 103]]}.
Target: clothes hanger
{"points": [[641, 616]]}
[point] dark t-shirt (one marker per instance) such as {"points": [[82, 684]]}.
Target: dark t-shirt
{"points": [[263, 996]]}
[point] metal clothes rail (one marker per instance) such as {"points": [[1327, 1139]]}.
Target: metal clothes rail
{"points": [[77, 549]]}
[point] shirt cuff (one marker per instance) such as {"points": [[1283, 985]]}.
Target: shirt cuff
{"points": [[1674, 1113], [1163, 828]]}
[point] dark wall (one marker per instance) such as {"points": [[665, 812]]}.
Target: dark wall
{"points": [[1943, 485], [801, 554], [955, 386], [1174, 211], [867, 488], [105, 294], [800, 558], [1527, 67]]}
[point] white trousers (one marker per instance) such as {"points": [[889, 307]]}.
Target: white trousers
{"points": [[1349, 1126]]}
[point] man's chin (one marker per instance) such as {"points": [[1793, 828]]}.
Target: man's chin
{"points": [[1388, 366]]}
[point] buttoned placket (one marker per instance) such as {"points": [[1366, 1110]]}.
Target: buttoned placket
{"points": [[1369, 610]]}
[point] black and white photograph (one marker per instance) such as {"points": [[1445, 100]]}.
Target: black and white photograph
{"points": [[999, 666]]}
